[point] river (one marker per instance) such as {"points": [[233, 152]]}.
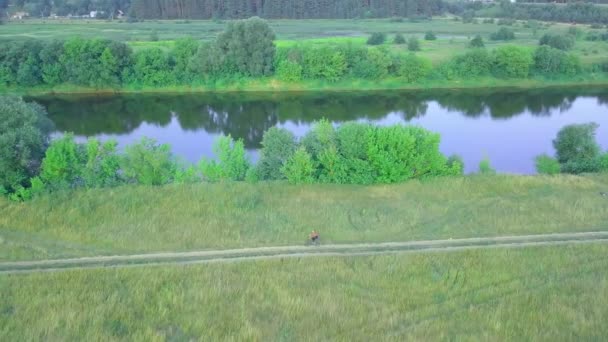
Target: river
{"points": [[510, 127]]}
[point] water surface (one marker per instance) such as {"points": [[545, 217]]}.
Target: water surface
{"points": [[510, 127]]}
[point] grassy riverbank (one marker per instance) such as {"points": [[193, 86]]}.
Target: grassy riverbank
{"points": [[274, 85], [127, 219], [542, 293]]}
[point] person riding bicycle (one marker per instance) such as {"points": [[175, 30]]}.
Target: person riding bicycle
{"points": [[314, 237]]}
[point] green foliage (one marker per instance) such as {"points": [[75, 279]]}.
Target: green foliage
{"points": [[102, 164], [429, 35], [248, 46], [232, 163], [324, 63], [603, 162], [63, 163], [512, 62], [278, 145], [299, 168], [186, 174], [485, 168], [575, 144], [550, 61], [289, 71], [503, 34], [152, 68], [377, 38], [474, 63], [154, 36], [399, 39], [372, 63], [477, 42], [24, 135], [413, 68], [413, 44], [183, 52], [148, 163], [557, 41], [546, 165]]}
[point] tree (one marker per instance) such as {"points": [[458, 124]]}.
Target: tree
{"points": [[278, 145], [546, 165], [557, 41], [512, 62], [232, 163], [576, 143], [399, 39], [183, 51], [413, 68], [148, 163], [249, 46], [299, 168], [429, 35], [377, 38], [413, 44], [550, 61], [503, 34], [152, 68], [63, 164], [24, 136], [477, 42]]}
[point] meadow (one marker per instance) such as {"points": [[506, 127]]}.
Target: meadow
{"points": [[137, 219], [543, 293], [452, 36]]}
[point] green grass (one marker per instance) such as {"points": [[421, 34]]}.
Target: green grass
{"points": [[532, 294], [129, 219]]}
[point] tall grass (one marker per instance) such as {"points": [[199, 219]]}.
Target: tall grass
{"points": [[192, 217], [542, 293]]}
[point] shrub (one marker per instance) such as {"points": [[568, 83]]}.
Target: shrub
{"points": [[154, 36], [299, 168], [399, 39], [278, 145], [506, 22], [324, 63], [557, 41], [485, 168], [603, 162], [63, 163], [24, 135], [575, 144], [477, 62], [148, 163], [413, 68], [413, 44], [549, 61], [430, 36], [101, 164], [512, 62], [581, 166], [468, 16], [289, 71], [372, 63], [503, 34], [232, 163], [546, 165], [477, 42], [377, 38]]}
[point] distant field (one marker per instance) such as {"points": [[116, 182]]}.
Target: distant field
{"points": [[531, 294], [453, 36], [128, 220]]}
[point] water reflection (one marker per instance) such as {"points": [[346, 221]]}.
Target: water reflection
{"points": [[248, 116]]}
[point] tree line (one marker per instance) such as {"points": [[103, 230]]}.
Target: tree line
{"points": [[572, 12], [246, 50]]}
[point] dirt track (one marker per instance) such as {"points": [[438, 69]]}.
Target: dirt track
{"points": [[245, 254]]}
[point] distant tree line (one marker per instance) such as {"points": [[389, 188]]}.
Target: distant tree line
{"points": [[573, 12]]}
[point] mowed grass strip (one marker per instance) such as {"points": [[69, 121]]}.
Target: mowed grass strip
{"points": [[129, 219], [542, 293]]}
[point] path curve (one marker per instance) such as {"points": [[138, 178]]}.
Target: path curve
{"points": [[244, 254]]}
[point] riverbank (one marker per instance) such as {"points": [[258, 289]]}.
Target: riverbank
{"points": [[272, 85], [233, 215]]}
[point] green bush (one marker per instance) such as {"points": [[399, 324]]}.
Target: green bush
{"points": [[24, 136], [413, 44], [603, 162], [399, 39], [372, 63], [474, 63], [148, 163], [576, 145], [546, 165], [278, 145], [377, 38], [152, 68], [413, 68], [323, 63], [299, 168], [429, 35], [512, 62], [485, 168], [289, 71], [503, 34], [102, 164], [477, 42], [581, 166], [550, 61], [557, 41], [232, 163], [63, 163]]}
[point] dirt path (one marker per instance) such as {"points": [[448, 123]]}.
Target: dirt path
{"points": [[244, 254]]}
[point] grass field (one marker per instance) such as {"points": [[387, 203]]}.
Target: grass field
{"points": [[453, 36], [540, 294], [129, 220]]}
